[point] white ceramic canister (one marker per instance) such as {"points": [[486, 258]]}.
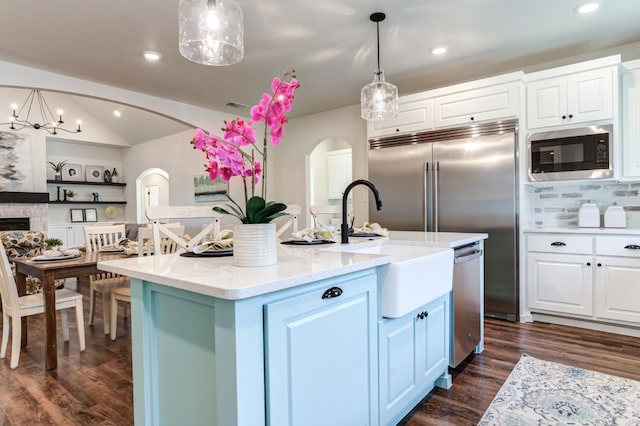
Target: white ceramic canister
{"points": [[589, 216], [614, 217]]}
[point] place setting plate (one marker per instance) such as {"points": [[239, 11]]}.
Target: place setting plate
{"points": [[54, 258], [209, 253], [307, 243]]}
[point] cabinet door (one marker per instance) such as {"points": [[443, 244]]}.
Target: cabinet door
{"points": [[60, 232], [560, 282], [590, 96], [397, 343], [414, 115], [546, 102], [576, 98], [321, 357], [631, 124], [413, 353], [618, 288], [432, 341], [489, 103]]}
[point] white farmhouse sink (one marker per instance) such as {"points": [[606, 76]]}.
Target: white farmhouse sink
{"points": [[416, 275]]}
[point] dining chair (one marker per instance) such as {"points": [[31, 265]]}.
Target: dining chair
{"points": [[123, 294], [15, 307], [167, 245], [318, 211], [97, 237], [158, 214], [290, 220]]}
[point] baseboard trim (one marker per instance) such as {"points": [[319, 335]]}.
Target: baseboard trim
{"points": [[592, 325]]}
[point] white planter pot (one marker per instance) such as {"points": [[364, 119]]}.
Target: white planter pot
{"points": [[255, 245]]}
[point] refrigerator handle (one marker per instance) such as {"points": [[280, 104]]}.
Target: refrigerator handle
{"points": [[436, 190], [425, 195]]}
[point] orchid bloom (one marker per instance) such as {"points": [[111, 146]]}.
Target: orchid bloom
{"points": [[225, 155]]}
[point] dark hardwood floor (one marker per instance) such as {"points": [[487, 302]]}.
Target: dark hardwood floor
{"points": [[477, 380], [95, 387]]}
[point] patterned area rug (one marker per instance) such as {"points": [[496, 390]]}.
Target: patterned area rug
{"points": [[546, 393]]}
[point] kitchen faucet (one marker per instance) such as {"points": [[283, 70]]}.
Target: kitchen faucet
{"points": [[344, 228]]}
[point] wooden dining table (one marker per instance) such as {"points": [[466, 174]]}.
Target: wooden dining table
{"points": [[48, 272]]}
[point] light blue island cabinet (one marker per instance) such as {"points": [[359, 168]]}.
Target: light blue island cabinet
{"points": [[199, 360], [299, 343]]}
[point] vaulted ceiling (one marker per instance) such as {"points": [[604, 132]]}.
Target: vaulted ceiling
{"points": [[330, 43]]}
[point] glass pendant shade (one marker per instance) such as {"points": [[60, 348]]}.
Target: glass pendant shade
{"points": [[210, 31], [379, 99]]}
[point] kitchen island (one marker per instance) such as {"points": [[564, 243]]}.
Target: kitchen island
{"points": [[293, 343]]}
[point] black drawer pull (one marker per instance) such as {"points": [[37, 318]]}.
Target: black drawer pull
{"points": [[588, 263], [422, 315], [632, 247], [332, 292], [558, 244]]}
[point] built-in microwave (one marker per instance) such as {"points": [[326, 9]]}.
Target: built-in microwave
{"points": [[579, 153]]}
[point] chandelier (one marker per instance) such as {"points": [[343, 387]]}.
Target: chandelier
{"points": [[210, 31], [49, 121], [378, 99]]}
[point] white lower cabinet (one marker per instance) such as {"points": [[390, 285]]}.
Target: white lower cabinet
{"points": [[414, 353], [560, 282], [592, 276], [70, 234], [618, 278]]}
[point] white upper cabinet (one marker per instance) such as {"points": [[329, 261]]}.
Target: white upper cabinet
{"points": [[487, 103], [575, 97], [415, 113], [631, 120]]}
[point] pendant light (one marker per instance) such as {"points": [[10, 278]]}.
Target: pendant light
{"points": [[378, 99], [210, 31]]}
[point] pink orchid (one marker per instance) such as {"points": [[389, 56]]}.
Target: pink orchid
{"points": [[225, 155]]}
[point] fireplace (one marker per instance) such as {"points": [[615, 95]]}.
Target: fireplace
{"points": [[14, 224]]}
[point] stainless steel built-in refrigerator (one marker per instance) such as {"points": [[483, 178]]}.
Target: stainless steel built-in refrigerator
{"points": [[456, 180]]}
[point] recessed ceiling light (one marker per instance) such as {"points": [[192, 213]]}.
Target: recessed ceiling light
{"points": [[117, 113], [152, 56], [586, 7], [438, 50]]}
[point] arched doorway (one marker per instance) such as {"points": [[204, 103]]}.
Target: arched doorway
{"points": [[330, 171], [152, 189]]}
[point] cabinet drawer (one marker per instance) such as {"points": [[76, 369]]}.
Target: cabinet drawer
{"points": [[628, 246], [560, 243]]}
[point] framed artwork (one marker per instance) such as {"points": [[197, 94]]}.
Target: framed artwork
{"points": [[16, 173], [77, 215], [73, 172], [90, 215], [95, 174], [206, 190]]}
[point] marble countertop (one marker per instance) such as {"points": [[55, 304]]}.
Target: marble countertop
{"points": [[297, 265], [576, 230]]}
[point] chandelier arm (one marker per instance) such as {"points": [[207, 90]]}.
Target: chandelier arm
{"points": [[45, 110], [49, 124]]}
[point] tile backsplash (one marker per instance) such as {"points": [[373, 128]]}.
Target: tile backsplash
{"points": [[557, 205]]}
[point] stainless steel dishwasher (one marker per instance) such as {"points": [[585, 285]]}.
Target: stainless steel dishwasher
{"points": [[466, 301]]}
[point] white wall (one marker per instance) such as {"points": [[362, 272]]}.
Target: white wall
{"points": [[288, 160]]}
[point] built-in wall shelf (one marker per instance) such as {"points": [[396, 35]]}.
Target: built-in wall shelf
{"points": [[87, 202], [74, 182]]}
